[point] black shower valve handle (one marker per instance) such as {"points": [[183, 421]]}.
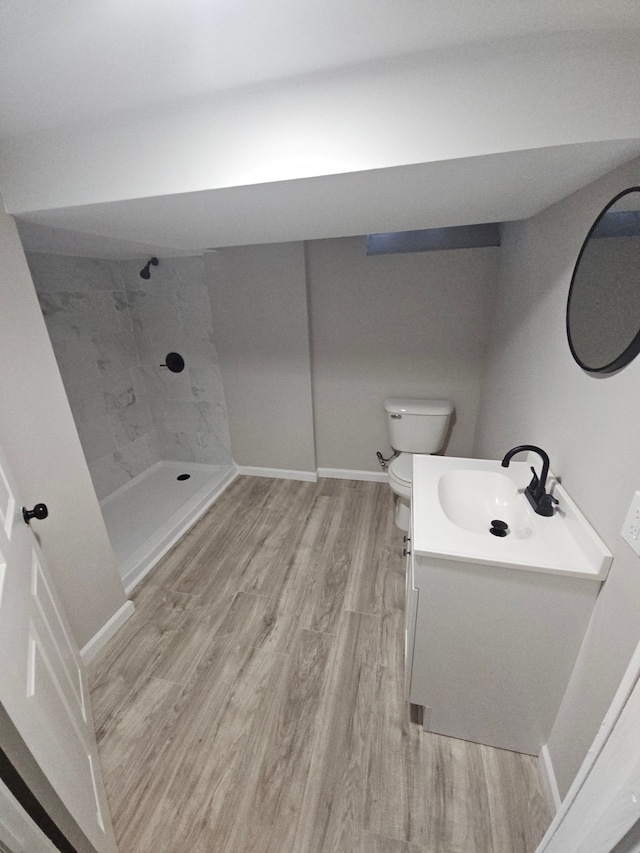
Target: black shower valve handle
{"points": [[174, 362]]}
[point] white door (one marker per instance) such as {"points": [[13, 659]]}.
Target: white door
{"points": [[18, 833], [42, 682], [603, 803]]}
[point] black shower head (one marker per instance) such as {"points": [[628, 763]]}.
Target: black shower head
{"points": [[145, 272]]}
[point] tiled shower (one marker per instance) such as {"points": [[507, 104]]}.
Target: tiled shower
{"points": [[111, 331]]}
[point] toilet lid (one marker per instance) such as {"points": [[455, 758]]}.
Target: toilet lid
{"points": [[402, 468]]}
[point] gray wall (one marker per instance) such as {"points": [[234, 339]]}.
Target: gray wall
{"points": [[259, 300], [38, 436], [408, 325], [534, 392], [411, 325], [110, 331]]}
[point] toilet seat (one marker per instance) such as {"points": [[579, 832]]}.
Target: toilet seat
{"points": [[400, 473]]}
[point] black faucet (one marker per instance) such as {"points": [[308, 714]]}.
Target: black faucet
{"points": [[541, 502]]}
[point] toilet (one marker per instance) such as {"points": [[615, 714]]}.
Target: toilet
{"points": [[414, 426]]}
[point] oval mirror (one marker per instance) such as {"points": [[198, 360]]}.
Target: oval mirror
{"points": [[603, 309]]}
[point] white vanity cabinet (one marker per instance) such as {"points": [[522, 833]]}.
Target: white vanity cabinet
{"points": [[490, 648]]}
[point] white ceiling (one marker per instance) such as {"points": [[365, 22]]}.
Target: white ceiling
{"points": [[64, 60], [74, 67], [433, 195]]}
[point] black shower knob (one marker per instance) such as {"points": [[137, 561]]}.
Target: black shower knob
{"points": [[175, 362]]}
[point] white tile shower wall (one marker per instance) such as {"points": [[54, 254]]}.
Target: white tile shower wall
{"points": [[84, 303], [171, 313], [110, 331]]}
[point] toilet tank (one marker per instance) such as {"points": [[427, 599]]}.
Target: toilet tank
{"points": [[417, 426]]}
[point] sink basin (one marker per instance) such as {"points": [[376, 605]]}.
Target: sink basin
{"points": [[474, 499], [455, 501]]}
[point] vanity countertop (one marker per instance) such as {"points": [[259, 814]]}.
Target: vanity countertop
{"points": [[452, 497]]}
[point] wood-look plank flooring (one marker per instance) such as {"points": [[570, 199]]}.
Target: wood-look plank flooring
{"points": [[254, 701]]}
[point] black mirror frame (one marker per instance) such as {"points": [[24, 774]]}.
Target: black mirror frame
{"points": [[632, 350]]}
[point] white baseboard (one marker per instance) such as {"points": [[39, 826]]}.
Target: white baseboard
{"points": [[91, 649], [348, 474], [548, 778], [278, 473], [313, 476]]}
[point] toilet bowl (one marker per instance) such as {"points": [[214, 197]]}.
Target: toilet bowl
{"points": [[414, 426], [400, 477]]}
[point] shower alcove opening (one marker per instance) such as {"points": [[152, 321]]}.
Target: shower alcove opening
{"points": [[140, 368]]}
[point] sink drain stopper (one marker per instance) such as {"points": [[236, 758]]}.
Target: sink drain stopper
{"points": [[499, 528]]}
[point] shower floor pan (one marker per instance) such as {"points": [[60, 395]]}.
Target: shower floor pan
{"points": [[147, 516]]}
